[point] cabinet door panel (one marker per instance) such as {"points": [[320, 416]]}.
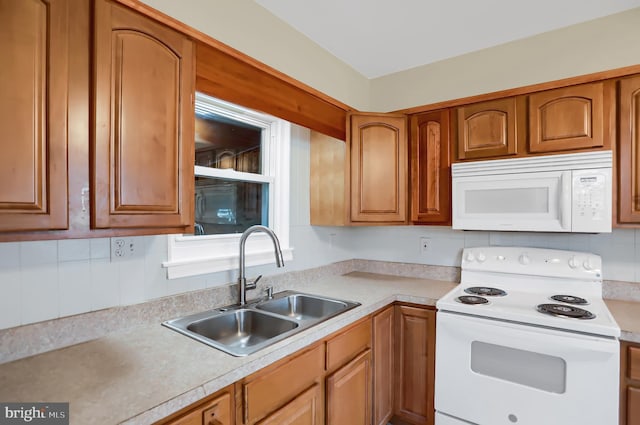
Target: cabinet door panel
{"points": [[306, 409], [33, 114], [143, 152], [378, 149], [633, 406], [567, 118], [430, 168], [349, 393], [487, 129], [629, 151], [415, 364], [383, 362]]}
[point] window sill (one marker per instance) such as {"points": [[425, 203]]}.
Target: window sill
{"points": [[198, 266]]}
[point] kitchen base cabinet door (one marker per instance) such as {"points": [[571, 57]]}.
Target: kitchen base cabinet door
{"points": [[142, 160], [383, 362], [349, 393], [633, 406], [306, 409], [415, 364]]}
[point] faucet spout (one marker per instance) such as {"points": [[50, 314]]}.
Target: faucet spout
{"points": [[242, 280]]}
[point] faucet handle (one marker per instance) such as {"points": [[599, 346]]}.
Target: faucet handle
{"points": [[254, 284], [269, 290]]}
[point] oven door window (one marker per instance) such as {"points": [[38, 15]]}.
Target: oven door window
{"points": [[541, 371]]}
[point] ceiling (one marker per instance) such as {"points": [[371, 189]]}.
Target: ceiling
{"points": [[380, 37]]}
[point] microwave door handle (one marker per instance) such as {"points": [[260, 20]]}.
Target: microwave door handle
{"points": [[565, 201]]}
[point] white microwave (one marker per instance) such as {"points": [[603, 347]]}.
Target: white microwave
{"points": [[555, 193]]}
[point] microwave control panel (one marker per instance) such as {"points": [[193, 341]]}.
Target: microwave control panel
{"points": [[591, 200]]}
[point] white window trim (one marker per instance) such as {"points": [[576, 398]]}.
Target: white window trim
{"points": [[194, 255]]}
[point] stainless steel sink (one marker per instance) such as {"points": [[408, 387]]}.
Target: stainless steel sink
{"points": [[303, 307], [241, 331], [237, 332]]}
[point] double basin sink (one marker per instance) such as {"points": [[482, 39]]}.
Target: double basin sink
{"points": [[243, 330]]}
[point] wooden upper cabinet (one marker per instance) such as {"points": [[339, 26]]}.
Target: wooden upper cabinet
{"points": [[629, 151], [143, 153], [379, 167], [33, 114], [567, 119], [487, 129], [430, 168]]}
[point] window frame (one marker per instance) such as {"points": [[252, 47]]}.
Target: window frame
{"points": [[190, 255]]}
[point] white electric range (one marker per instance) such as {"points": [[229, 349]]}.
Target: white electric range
{"points": [[526, 338]]}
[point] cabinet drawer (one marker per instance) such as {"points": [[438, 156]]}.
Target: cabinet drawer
{"points": [[344, 347], [634, 363], [269, 390]]}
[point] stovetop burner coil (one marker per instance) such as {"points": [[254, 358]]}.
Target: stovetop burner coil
{"points": [[570, 299], [565, 311], [485, 291], [472, 299]]}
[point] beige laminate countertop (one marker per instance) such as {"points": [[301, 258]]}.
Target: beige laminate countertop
{"points": [[142, 375]]}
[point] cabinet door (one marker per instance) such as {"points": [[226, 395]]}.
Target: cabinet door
{"points": [[143, 152], [383, 376], [379, 168], [34, 80], [567, 118], [415, 364], [633, 406], [487, 129], [629, 151], [306, 409], [430, 168], [349, 393]]}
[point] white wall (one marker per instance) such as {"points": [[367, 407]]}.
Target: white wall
{"points": [[602, 44], [620, 250], [248, 27]]}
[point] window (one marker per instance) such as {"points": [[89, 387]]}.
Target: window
{"points": [[241, 179]]}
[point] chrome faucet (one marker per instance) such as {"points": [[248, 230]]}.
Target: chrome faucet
{"points": [[243, 286]]}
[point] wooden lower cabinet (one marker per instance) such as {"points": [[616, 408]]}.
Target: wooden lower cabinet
{"points": [[349, 393], [383, 364], [630, 384], [306, 409], [377, 370], [218, 410], [273, 388], [415, 364]]}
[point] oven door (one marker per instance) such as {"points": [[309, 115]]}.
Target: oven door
{"points": [[538, 201], [490, 372]]}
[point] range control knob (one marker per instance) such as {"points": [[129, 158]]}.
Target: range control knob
{"points": [[588, 264], [574, 262], [524, 259], [481, 257], [470, 257]]}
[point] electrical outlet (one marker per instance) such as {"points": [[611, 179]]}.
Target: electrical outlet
{"points": [[122, 248], [425, 245]]}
